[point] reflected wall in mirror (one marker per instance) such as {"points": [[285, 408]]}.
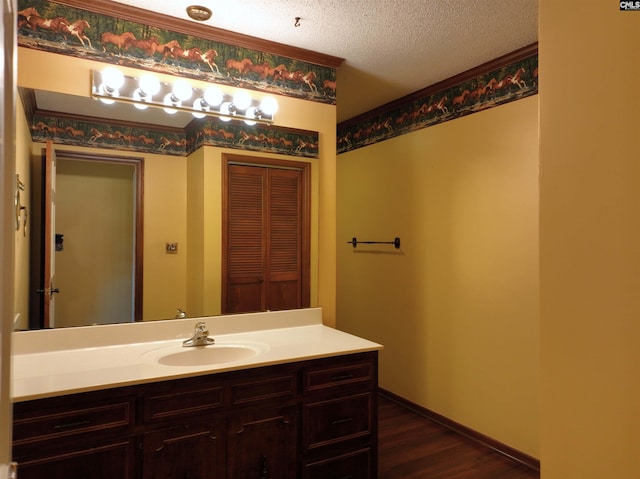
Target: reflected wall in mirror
{"points": [[95, 264]]}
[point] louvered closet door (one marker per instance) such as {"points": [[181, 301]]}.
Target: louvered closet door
{"points": [[284, 239], [263, 248], [246, 243]]}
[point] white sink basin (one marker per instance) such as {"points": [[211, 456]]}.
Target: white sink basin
{"points": [[203, 355], [177, 355]]}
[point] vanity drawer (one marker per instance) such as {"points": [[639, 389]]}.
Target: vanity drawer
{"points": [[334, 420], [354, 465], [324, 378], [61, 421], [176, 401], [95, 460], [279, 388]]}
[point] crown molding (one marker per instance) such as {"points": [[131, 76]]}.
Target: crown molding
{"points": [[496, 63], [154, 19]]}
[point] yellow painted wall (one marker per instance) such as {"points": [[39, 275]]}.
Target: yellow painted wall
{"points": [[457, 307], [166, 199], [198, 264], [8, 151], [589, 240], [165, 203], [21, 291]]}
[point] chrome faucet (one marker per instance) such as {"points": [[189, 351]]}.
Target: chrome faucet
{"points": [[200, 336]]}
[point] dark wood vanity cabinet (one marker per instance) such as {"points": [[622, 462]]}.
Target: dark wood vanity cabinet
{"points": [[81, 436], [339, 418], [312, 419]]}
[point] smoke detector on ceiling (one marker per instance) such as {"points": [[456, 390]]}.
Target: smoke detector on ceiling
{"points": [[199, 13]]}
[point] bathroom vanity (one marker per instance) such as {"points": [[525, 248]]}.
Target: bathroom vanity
{"points": [[300, 404]]}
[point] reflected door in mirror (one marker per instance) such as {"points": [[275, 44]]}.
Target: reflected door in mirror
{"points": [[266, 231], [90, 222]]}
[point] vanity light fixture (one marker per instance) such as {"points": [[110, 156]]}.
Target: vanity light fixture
{"points": [[111, 85]]}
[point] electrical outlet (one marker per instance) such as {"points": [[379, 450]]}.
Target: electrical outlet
{"points": [[172, 248]]}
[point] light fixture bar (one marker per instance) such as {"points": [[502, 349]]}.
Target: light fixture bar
{"points": [[110, 85]]}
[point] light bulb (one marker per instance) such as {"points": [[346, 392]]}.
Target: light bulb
{"points": [[141, 105], [242, 100], [198, 105], [251, 114], [213, 96], [224, 109], [182, 89], [149, 85], [102, 90], [138, 97], [269, 105], [112, 79], [169, 102]]}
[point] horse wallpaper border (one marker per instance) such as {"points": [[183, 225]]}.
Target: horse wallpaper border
{"points": [[284, 141], [505, 84], [63, 29], [67, 30], [98, 133]]}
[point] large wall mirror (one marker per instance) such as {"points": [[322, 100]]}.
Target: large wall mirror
{"points": [[138, 236], [182, 225]]}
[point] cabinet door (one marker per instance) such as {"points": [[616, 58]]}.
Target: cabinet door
{"points": [[193, 451], [98, 461], [263, 444]]}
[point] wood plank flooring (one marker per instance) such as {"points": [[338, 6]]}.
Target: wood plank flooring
{"points": [[413, 447]]}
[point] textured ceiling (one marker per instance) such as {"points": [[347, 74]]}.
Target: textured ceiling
{"points": [[393, 47]]}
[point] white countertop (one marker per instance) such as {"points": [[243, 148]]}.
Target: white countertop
{"points": [[70, 360]]}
